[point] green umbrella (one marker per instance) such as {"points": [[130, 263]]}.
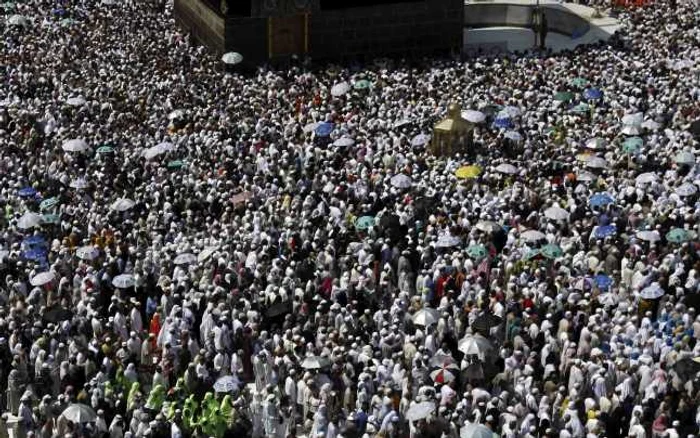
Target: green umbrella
{"points": [[564, 96], [477, 252], [679, 235], [630, 149], [105, 149], [632, 145], [67, 22], [579, 82], [8, 5], [634, 141], [177, 164], [50, 218], [532, 254], [581, 108], [48, 203], [364, 222], [362, 84], [551, 251]]}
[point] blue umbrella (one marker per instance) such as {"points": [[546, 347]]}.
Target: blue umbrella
{"points": [[26, 192], [34, 254], [605, 231], [593, 94], [503, 122], [324, 129], [603, 281], [33, 240], [600, 199]]}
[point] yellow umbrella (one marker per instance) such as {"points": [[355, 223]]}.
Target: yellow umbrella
{"points": [[468, 172], [584, 156]]}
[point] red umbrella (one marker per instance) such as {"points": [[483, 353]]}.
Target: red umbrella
{"points": [[442, 375]]}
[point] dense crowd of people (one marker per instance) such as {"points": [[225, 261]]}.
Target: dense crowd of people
{"points": [[188, 251]]}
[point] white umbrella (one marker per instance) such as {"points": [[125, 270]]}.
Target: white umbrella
{"points": [[510, 112], [686, 189], [475, 345], [475, 430], [556, 213], [123, 281], [232, 58], [344, 142], [185, 259], [420, 140], [315, 362], [597, 163], [158, 149], [488, 226], [206, 253], [75, 145], [635, 119], [532, 235], [646, 178], [506, 168], [123, 204], [684, 157], [447, 241], [42, 278], [473, 116], [420, 411], [29, 220], [79, 413], [649, 235], [227, 384], [652, 292], [401, 181], [426, 317], [79, 183], [596, 143], [585, 177], [18, 20], [87, 253], [340, 89], [76, 101], [513, 135], [630, 130]]}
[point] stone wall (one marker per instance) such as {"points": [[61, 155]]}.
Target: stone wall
{"points": [[195, 17]]}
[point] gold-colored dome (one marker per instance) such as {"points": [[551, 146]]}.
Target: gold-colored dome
{"points": [[454, 111]]}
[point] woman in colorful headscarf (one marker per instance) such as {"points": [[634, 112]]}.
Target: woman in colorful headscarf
{"points": [[223, 417], [226, 410], [156, 398], [131, 397], [188, 412], [154, 327], [207, 417]]}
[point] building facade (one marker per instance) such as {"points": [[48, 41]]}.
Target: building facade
{"points": [[263, 30]]}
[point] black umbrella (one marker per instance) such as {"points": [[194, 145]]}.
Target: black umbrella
{"points": [[687, 368], [485, 322], [695, 128], [279, 309], [57, 314], [424, 206], [474, 372]]}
